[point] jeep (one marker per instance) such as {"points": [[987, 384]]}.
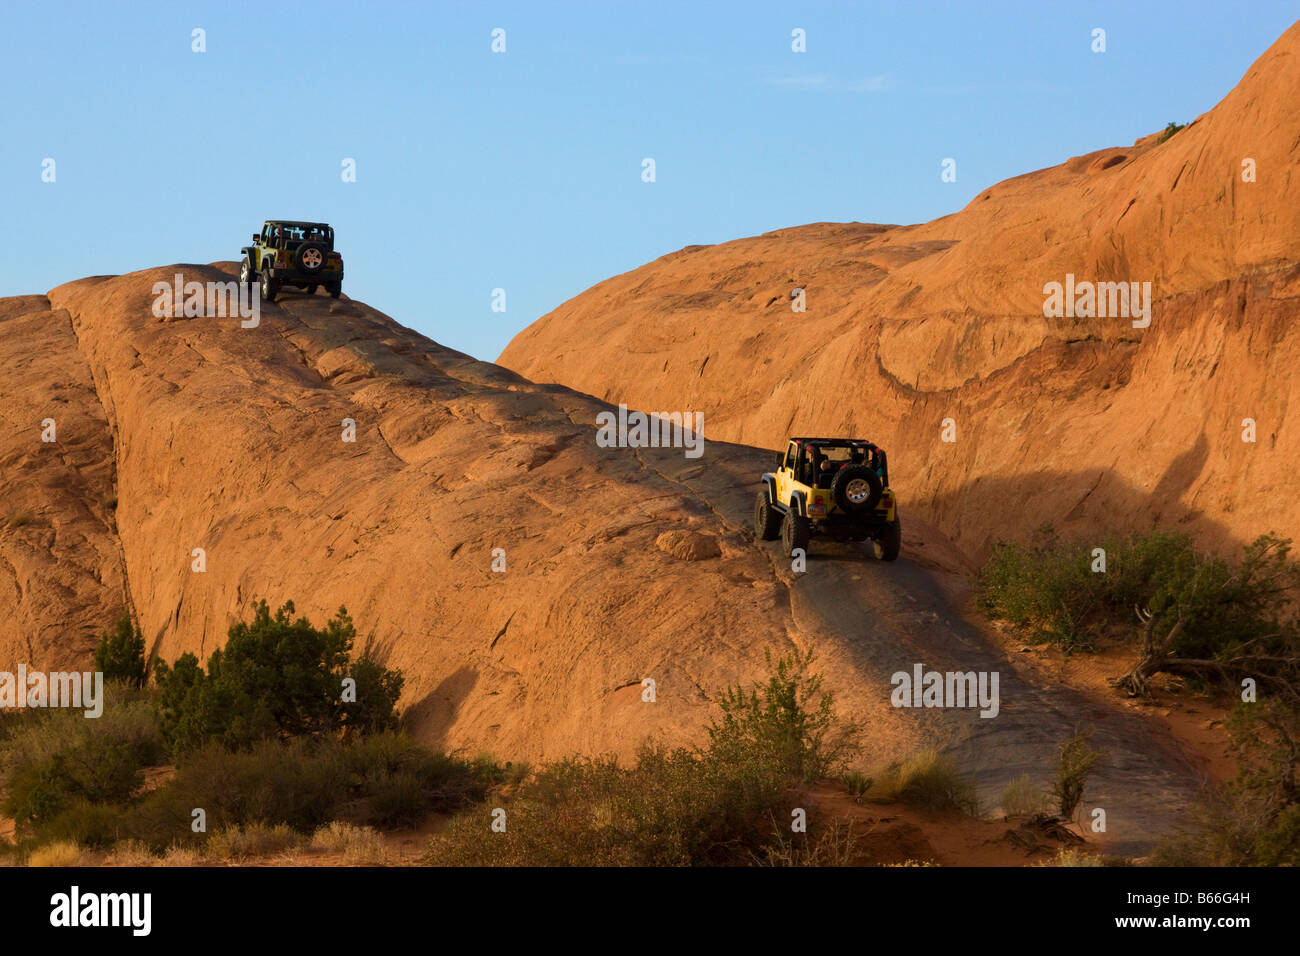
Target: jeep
{"points": [[292, 253], [834, 487]]}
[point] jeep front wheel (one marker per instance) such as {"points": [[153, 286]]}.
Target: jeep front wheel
{"points": [[891, 540], [245, 272], [795, 532], [767, 520]]}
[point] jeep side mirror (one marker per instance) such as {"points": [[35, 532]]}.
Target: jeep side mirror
{"points": [[256, 236]]}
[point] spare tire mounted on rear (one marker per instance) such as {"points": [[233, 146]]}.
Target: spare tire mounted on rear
{"points": [[856, 488]]}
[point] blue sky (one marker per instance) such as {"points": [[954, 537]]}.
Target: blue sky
{"points": [[522, 170]]}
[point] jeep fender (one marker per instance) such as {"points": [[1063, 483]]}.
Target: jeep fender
{"points": [[769, 482], [797, 503]]}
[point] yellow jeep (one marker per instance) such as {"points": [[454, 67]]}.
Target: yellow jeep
{"points": [[835, 487]]}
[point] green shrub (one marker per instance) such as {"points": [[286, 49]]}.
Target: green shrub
{"points": [[275, 676], [1188, 611], [1256, 820], [673, 807], [396, 782], [62, 759], [790, 730], [295, 783], [710, 806], [120, 655], [303, 783], [84, 823], [1169, 131]]}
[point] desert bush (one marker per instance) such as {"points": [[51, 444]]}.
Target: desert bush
{"points": [[62, 764], [303, 783], [276, 676], [673, 807], [833, 845], [293, 783], [395, 782], [79, 821], [789, 729], [928, 780], [1188, 611], [1255, 821], [120, 654], [1170, 129], [1076, 761], [682, 806]]}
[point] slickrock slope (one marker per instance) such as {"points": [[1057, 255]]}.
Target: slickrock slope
{"points": [[1078, 422], [230, 440], [621, 564]]}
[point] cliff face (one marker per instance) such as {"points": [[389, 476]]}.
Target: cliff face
{"points": [[61, 571], [1085, 423], [185, 434]]}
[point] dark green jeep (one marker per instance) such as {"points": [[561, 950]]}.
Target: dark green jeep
{"points": [[293, 253]]}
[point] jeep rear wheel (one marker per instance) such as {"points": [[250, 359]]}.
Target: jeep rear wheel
{"points": [[335, 289], [310, 288], [795, 532], [856, 488], [767, 520], [891, 540], [270, 288]]}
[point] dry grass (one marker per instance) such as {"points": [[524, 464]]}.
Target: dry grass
{"points": [[1022, 797], [1069, 856], [360, 846], [182, 856], [61, 853], [130, 853], [929, 780], [235, 843]]}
